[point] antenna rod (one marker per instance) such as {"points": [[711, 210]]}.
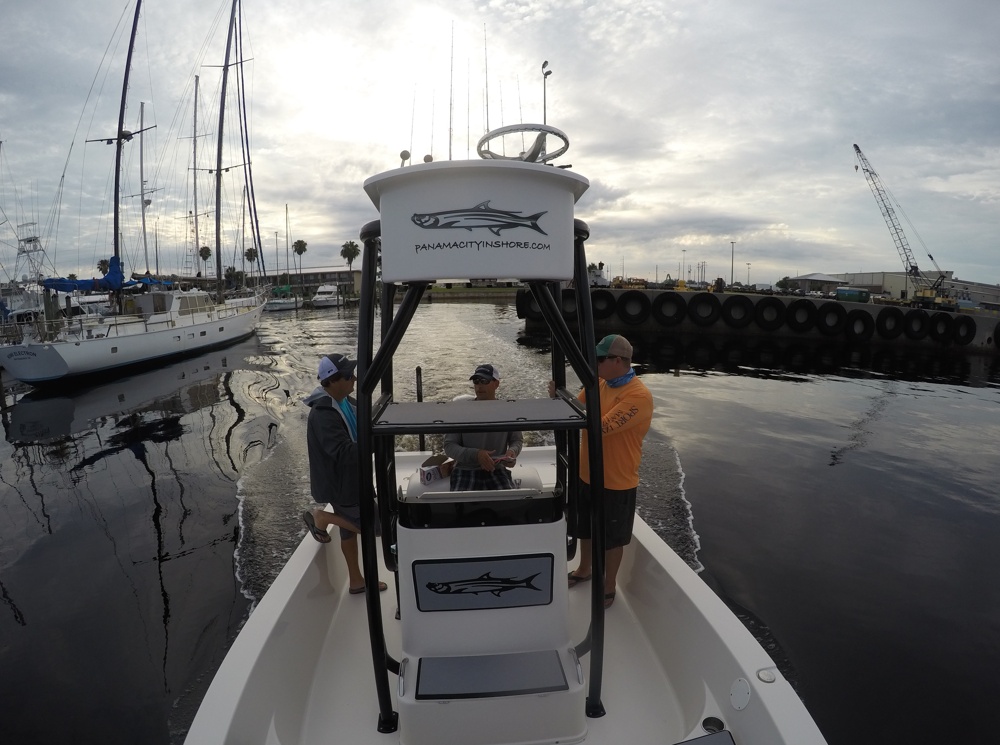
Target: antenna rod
{"points": [[451, 91], [486, 75]]}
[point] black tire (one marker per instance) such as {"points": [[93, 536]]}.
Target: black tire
{"points": [[963, 331], [569, 304], [527, 306], [669, 308], [704, 309], [737, 311], [860, 325], [800, 316], [940, 327], [889, 323], [769, 314], [831, 318], [633, 307], [916, 324], [602, 303]]}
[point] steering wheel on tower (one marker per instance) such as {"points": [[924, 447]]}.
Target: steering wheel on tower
{"points": [[535, 154]]}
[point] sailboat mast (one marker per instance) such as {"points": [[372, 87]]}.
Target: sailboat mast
{"points": [[120, 139], [142, 182], [194, 168], [218, 156], [288, 253]]}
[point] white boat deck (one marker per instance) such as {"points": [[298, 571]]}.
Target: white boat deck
{"points": [[301, 669], [343, 709]]}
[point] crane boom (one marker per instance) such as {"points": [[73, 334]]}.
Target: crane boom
{"points": [[926, 291], [898, 236]]}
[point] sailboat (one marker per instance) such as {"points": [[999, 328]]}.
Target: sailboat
{"points": [[282, 297], [148, 327]]}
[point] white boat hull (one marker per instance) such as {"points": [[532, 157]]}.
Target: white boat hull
{"points": [[89, 346], [327, 296], [675, 657]]}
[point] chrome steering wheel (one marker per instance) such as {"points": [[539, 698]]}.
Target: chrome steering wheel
{"points": [[535, 154]]}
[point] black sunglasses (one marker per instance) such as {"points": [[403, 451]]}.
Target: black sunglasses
{"points": [[482, 381], [601, 359]]}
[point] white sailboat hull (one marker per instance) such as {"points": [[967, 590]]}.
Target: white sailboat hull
{"points": [[87, 346], [675, 658]]}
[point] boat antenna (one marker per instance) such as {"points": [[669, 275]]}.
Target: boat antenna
{"points": [[451, 91], [486, 77]]}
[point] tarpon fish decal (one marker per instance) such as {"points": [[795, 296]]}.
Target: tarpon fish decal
{"points": [[480, 216], [484, 583]]}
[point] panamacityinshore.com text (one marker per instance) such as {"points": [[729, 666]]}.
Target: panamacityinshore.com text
{"points": [[480, 245]]}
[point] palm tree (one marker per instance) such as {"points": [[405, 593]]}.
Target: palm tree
{"points": [[205, 252], [251, 256], [299, 247], [103, 266], [349, 252]]}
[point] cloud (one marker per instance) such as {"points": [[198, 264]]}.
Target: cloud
{"points": [[699, 125]]}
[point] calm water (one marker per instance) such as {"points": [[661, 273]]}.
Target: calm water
{"points": [[851, 519]]}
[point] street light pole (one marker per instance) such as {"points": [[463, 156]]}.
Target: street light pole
{"points": [[732, 261], [748, 274], [545, 75]]}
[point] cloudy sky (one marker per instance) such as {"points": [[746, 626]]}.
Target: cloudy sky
{"points": [[714, 132]]}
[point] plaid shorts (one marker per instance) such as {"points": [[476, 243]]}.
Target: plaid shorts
{"points": [[476, 479]]}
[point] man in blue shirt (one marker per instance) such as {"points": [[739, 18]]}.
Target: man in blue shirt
{"points": [[332, 437]]}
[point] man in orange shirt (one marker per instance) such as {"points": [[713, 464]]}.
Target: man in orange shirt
{"points": [[626, 413]]}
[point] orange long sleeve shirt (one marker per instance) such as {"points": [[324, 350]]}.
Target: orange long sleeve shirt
{"points": [[626, 413]]}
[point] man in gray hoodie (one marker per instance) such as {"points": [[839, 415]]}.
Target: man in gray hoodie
{"points": [[332, 437]]}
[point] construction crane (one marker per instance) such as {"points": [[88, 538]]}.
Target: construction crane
{"points": [[927, 293]]}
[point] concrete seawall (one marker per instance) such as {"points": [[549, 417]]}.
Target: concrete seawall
{"points": [[655, 312]]}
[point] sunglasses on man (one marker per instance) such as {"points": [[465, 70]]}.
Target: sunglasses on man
{"points": [[482, 381], [607, 357]]}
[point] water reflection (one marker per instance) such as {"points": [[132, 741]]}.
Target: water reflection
{"points": [[121, 523]]}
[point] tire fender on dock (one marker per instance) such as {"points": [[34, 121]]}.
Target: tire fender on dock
{"points": [[889, 323], [769, 314], [527, 306], [860, 325], [801, 315], [831, 318], [569, 304], [669, 308], [916, 324], [633, 307], [737, 311], [963, 331], [704, 309], [602, 302], [940, 327]]}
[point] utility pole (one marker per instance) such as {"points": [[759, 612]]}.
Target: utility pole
{"points": [[732, 261]]}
